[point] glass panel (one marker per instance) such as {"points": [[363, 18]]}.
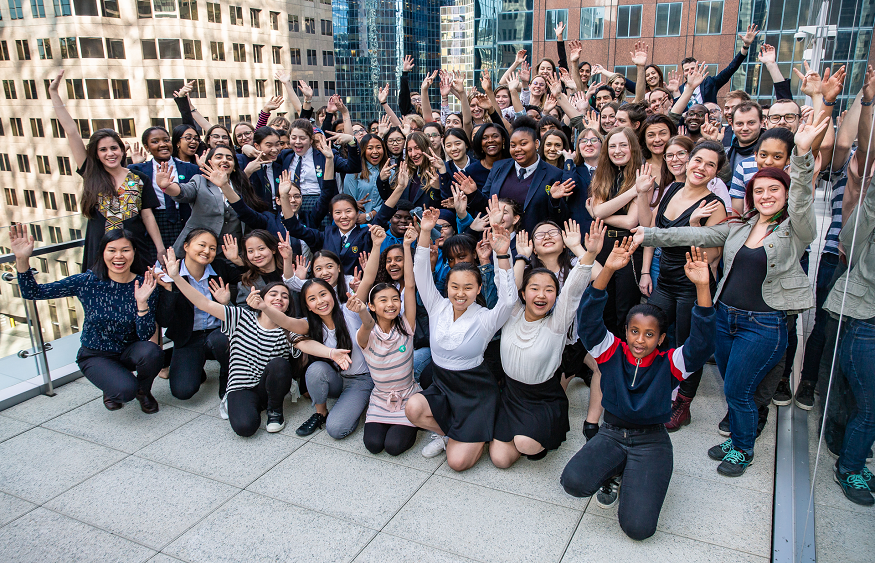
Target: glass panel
{"points": [[551, 18], [592, 23], [515, 27]]}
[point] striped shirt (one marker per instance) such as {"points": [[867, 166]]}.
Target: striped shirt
{"points": [[390, 358], [831, 240], [744, 171], [252, 347]]}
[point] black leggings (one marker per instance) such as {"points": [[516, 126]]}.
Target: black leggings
{"points": [[679, 311], [394, 438], [245, 405], [113, 373], [187, 362]]}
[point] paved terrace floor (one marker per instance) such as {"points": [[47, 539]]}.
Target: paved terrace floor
{"points": [[80, 483]]}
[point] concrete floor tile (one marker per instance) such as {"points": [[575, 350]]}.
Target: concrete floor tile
{"points": [[691, 458], [600, 540], [484, 524], [843, 536], [208, 446], [12, 507], [342, 484], [144, 501], [161, 558], [10, 427], [296, 413], [390, 549], [204, 401], [252, 527], [128, 429], [534, 479], [44, 536], [40, 464], [41, 408]]}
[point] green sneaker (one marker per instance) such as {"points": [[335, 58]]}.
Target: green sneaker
{"points": [[854, 486], [735, 463], [718, 452], [868, 478]]}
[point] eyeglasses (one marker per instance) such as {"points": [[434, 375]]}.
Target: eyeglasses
{"points": [[243, 135], [699, 114], [395, 141], [189, 138], [433, 135], [444, 227], [590, 141], [552, 233], [220, 137], [680, 155], [789, 118]]}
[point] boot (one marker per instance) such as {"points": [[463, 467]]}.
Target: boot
{"points": [[680, 413]]}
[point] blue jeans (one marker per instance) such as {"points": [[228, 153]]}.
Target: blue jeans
{"points": [[654, 266], [749, 344], [857, 357], [421, 359]]}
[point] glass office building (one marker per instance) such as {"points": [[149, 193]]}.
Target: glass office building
{"points": [[371, 37]]}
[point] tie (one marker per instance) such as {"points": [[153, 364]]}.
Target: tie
{"points": [[522, 174], [296, 177]]}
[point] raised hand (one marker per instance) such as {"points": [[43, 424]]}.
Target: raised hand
{"points": [[56, 81], [340, 357], [500, 240], [513, 81], [711, 132], [591, 119], [595, 238], [383, 126], [229, 247], [484, 248], [255, 301], [555, 89], [410, 235], [459, 200], [525, 73], [386, 171], [356, 279], [485, 80], [285, 185], [301, 266], [549, 103], [571, 234], [559, 30], [621, 254], [273, 104], [767, 54], [575, 48], [704, 211], [832, 84], [283, 76], [748, 37], [217, 176], [494, 210], [331, 106], [698, 75], [171, 264], [446, 83], [436, 162], [363, 259], [185, 90], [560, 190], [458, 84], [807, 132], [428, 80], [284, 247], [524, 245], [639, 54], [221, 292], [142, 292], [673, 81], [696, 268], [163, 177], [484, 102], [355, 304], [430, 217], [644, 179], [402, 178], [339, 138], [138, 153], [521, 56], [306, 91], [407, 64], [868, 88], [383, 94], [480, 223], [566, 79], [378, 235], [810, 83], [21, 243], [360, 203]]}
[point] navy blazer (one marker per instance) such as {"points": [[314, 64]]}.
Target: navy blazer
{"points": [[350, 165], [539, 206], [260, 184], [576, 202], [413, 193], [712, 84], [185, 172]]}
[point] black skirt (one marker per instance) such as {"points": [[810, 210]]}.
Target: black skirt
{"points": [[539, 412], [464, 402]]}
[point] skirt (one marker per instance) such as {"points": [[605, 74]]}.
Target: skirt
{"points": [[464, 402], [539, 412]]}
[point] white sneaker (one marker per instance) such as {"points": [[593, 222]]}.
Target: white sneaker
{"points": [[436, 446], [223, 408]]}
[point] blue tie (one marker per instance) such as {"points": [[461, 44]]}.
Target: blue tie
{"points": [[296, 177], [522, 174]]}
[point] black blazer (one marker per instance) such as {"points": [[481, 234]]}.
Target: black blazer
{"points": [[185, 171]]}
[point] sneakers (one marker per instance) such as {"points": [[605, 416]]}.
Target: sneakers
{"points": [[804, 398], [735, 463], [854, 486], [718, 452], [275, 421], [312, 424], [723, 427], [607, 496], [868, 478], [435, 447], [223, 409], [680, 413], [783, 396]]}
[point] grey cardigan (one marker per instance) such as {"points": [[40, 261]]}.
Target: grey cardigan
{"points": [[786, 287], [860, 277], [208, 210]]}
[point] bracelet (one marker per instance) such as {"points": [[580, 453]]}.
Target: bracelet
{"points": [[867, 104], [503, 256], [523, 258], [830, 104], [143, 311], [645, 273]]}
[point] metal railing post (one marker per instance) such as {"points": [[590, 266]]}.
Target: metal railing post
{"points": [[38, 346]]}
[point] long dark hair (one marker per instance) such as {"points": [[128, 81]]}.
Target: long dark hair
{"points": [[397, 322], [341, 279], [96, 181], [252, 272], [564, 259], [240, 182], [365, 174], [99, 266], [383, 276], [176, 137], [344, 341], [665, 173]]}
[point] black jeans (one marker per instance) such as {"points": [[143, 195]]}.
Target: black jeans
{"points": [[245, 405], [814, 346], [394, 438], [644, 458], [679, 311], [187, 362], [113, 373]]}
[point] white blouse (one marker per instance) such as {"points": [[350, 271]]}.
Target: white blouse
{"points": [[459, 344], [532, 351]]}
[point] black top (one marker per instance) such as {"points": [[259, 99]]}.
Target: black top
{"points": [[744, 287], [671, 264]]}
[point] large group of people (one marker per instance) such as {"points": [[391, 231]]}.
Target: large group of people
{"points": [[452, 271]]}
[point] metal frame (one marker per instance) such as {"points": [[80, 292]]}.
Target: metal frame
{"points": [[792, 521]]}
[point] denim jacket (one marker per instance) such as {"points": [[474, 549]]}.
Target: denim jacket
{"points": [[786, 287], [860, 277]]}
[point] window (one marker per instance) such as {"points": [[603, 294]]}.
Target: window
{"points": [[709, 17], [71, 309], [37, 8], [275, 21], [57, 131], [191, 49], [36, 127], [11, 195], [4, 51], [9, 90], [49, 197], [101, 124], [150, 49], [74, 89], [64, 170], [277, 88], [91, 47], [242, 88], [109, 9], [121, 90], [164, 8], [62, 8], [171, 85], [329, 87], [169, 49], [55, 233], [311, 57], [214, 12], [629, 21], [294, 24], [15, 12], [30, 89], [188, 9], [44, 46], [144, 9], [126, 127], [310, 25], [29, 197], [327, 58], [199, 88], [259, 87], [224, 121], [115, 48], [217, 50], [314, 84], [84, 128], [256, 53], [68, 48], [4, 163], [2, 132], [327, 27], [69, 199], [278, 55], [236, 15], [23, 49], [153, 88], [62, 264], [221, 87], [76, 234], [157, 121], [239, 50], [253, 17], [244, 117], [551, 18], [85, 7], [17, 129]]}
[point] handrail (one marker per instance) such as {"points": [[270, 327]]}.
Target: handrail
{"points": [[7, 258]]}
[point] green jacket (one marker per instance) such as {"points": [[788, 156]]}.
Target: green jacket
{"points": [[786, 287], [860, 277]]}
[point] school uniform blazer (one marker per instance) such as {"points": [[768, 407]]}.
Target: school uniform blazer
{"points": [[185, 171], [539, 206], [260, 184], [712, 84], [352, 164], [176, 312], [576, 202], [207, 208], [430, 197]]}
